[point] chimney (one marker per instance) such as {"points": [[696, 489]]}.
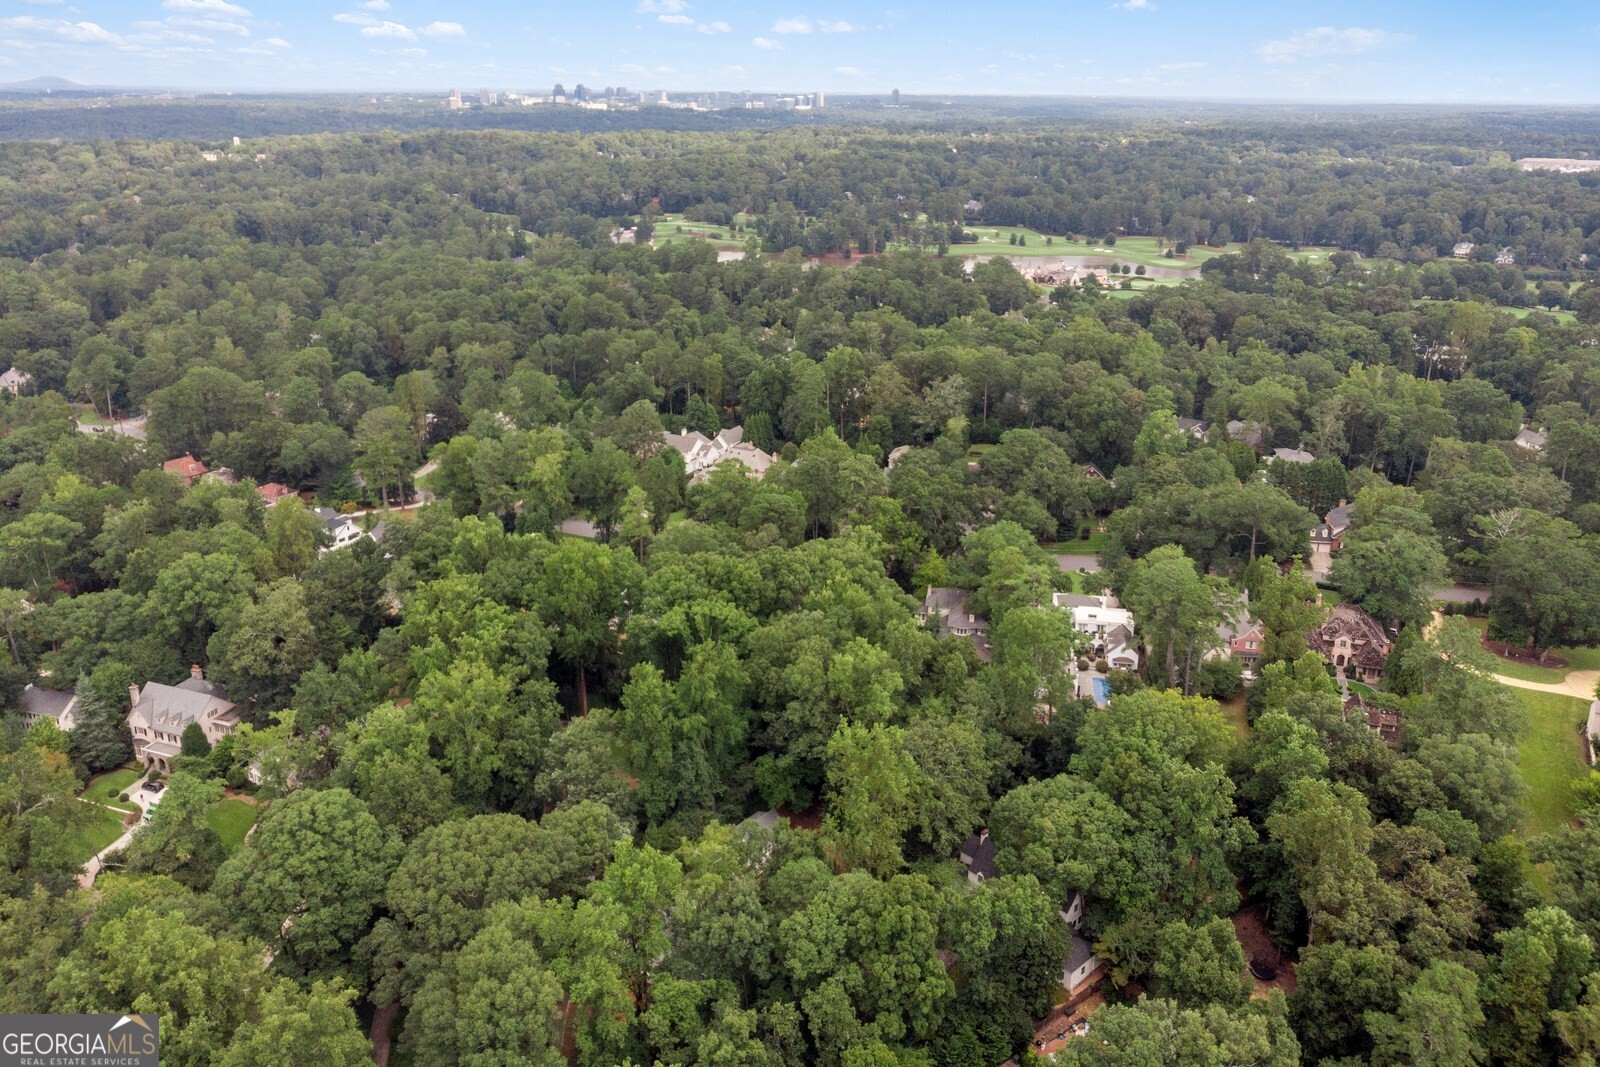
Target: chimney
{"points": [[133, 697], [196, 673], [983, 835]]}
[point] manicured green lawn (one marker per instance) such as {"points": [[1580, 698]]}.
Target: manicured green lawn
{"points": [[231, 819], [673, 227], [1361, 689], [1331, 597], [1578, 659], [1093, 546], [1551, 756], [105, 788], [1074, 579], [103, 828]]}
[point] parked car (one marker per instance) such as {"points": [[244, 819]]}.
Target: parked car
{"points": [[154, 787]]}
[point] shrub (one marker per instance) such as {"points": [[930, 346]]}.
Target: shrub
{"points": [[1102, 666], [123, 797]]}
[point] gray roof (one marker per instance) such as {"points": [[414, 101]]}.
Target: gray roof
{"points": [[951, 605], [1293, 455], [1339, 517], [1080, 953], [1188, 425], [51, 702], [1077, 600], [333, 519], [175, 706]]}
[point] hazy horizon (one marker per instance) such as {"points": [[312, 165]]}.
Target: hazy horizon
{"points": [[1182, 50]]}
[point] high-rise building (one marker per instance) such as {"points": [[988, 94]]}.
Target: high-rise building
{"points": [[894, 98], [560, 90], [483, 97], [454, 103], [819, 101], [581, 92]]}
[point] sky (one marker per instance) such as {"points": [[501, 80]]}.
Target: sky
{"points": [[1403, 50]]}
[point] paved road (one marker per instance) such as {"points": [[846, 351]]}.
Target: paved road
{"points": [[1070, 562], [579, 528]]}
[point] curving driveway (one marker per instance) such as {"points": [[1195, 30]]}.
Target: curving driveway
{"points": [[1580, 684]]}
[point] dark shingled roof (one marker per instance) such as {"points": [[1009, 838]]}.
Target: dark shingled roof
{"points": [[982, 850], [1080, 953]]}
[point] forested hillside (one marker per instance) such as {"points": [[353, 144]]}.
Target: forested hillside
{"points": [[550, 752]]}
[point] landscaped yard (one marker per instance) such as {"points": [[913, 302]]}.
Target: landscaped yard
{"points": [[105, 788], [231, 819], [103, 828], [1361, 689], [1578, 659], [1092, 546], [1551, 756], [673, 227]]}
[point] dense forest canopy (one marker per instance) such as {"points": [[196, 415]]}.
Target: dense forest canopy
{"points": [[576, 758]]}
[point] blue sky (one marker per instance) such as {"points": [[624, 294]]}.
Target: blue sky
{"points": [[1405, 50]]}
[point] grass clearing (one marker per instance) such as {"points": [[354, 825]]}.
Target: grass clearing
{"points": [[1235, 712], [674, 227], [1093, 545], [105, 788], [100, 831], [231, 819], [1551, 757]]}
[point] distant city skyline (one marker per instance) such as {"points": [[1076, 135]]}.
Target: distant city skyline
{"points": [[1423, 51]]}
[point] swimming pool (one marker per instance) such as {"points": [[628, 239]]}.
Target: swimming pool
{"points": [[1102, 691]]}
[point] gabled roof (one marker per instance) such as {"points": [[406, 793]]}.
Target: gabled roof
{"points": [[1080, 953], [185, 466], [273, 492], [980, 848], [172, 707], [52, 703], [1369, 644], [14, 379], [1293, 455], [1532, 440]]}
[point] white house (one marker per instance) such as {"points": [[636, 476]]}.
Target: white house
{"points": [[344, 529], [57, 706], [1531, 439], [701, 453], [1108, 625], [1082, 967], [14, 381]]}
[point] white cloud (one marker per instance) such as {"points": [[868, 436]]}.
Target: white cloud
{"points": [[85, 31], [1327, 41], [444, 29], [412, 52], [82, 32], [767, 44], [207, 7], [675, 20], [390, 29], [1136, 5], [798, 24], [375, 5], [848, 72], [1191, 65], [836, 26], [276, 42], [355, 18], [210, 25], [712, 28], [662, 7]]}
